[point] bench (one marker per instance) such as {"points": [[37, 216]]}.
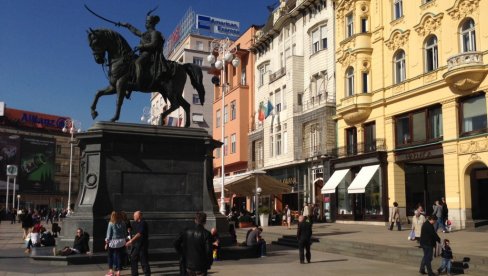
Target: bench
{"points": [[237, 252]]}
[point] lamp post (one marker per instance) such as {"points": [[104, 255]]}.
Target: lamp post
{"points": [[18, 202], [256, 202], [225, 54], [71, 126]]}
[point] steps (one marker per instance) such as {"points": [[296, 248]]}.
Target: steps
{"points": [[291, 241]]}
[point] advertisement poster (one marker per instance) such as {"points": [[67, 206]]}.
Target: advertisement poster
{"points": [[37, 165], [9, 155]]}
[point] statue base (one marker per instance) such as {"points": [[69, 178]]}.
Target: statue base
{"points": [[165, 172]]}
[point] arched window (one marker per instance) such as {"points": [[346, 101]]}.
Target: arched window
{"points": [[468, 36], [350, 81], [431, 54], [400, 71]]}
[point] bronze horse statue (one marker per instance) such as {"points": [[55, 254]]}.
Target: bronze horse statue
{"points": [[121, 73]]}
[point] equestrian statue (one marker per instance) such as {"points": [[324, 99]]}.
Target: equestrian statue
{"points": [[147, 72]]}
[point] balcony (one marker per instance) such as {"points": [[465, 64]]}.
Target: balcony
{"points": [[318, 100], [355, 109], [276, 75], [355, 149], [360, 42], [255, 165], [465, 72], [313, 151]]}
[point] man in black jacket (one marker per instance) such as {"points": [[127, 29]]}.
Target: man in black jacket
{"points": [[304, 236], [140, 245], [194, 245], [428, 239]]}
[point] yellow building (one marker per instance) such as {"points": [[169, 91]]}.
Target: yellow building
{"points": [[411, 109]]}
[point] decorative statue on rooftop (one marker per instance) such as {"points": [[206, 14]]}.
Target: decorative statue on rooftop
{"points": [[147, 72]]}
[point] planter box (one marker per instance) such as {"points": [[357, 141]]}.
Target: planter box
{"points": [[245, 224]]}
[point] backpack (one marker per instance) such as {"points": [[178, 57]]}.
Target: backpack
{"points": [[47, 239]]}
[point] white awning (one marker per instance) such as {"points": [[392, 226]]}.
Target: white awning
{"points": [[334, 180], [246, 183], [362, 179]]}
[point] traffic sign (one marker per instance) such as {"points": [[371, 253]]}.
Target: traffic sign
{"points": [[11, 170]]}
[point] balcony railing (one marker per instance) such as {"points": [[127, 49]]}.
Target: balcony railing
{"points": [[258, 164], [312, 151], [464, 59], [355, 149], [315, 101], [276, 75]]}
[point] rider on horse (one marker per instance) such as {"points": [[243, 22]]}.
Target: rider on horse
{"points": [[150, 57]]}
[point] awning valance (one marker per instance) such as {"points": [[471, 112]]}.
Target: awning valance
{"points": [[334, 180], [362, 179]]}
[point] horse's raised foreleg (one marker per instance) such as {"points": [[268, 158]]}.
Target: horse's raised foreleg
{"points": [[109, 90], [186, 107]]}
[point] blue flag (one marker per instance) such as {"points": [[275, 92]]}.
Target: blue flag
{"points": [[269, 108]]}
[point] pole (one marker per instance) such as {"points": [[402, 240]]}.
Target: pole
{"points": [[13, 194], [70, 168], [6, 196], [256, 202], [18, 202], [222, 197]]}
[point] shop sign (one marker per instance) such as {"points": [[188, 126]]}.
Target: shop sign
{"points": [[418, 155]]}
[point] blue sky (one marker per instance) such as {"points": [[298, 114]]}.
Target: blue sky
{"points": [[45, 62]]}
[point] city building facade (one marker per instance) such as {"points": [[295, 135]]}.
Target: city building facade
{"points": [[411, 109], [292, 122], [36, 144]]}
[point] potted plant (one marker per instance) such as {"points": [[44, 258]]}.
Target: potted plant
{"points": [[245, 221], [264, 215]]}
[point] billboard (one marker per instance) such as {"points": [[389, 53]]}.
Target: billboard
{"points": [[9, 155], [34, 119], [37, 165], [218, 25]]}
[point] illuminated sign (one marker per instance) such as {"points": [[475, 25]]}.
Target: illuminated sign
{"points": [[218, 25], [34, 119]]}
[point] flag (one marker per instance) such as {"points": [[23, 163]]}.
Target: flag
{"points": [[261, 112], [269, 109]]}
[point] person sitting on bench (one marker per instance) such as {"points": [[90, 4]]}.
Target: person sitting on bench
{"points": [[80, 245]]}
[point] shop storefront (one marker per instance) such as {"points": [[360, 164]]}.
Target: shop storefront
{"points": [[357, 188]]}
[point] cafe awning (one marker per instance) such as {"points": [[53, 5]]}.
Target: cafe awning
{"points": [[245, 184], [334, 180], [362, 179]]}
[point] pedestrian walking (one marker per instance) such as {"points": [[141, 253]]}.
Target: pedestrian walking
{"points": [[445, 214], [395, 217], [417, 222], [140, 245], [115, 243], [194, 246], [304, 237], [428, 239], [437, 211]]}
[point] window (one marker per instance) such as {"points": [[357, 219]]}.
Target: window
{"points": [[262, 73], [233, 110], [300, 99], [285, 142], [233, 143], [473, 115], [370, 137], [431, 63], [351, 141], [349, 25], [278, 100], [419, 126], [198, 61], [243, 75], [350, 81], [226, 146], [196, 99], [323, 37], [217, 118], [278, 144], [397, 9], [284, 97], [314, 139], [364, 25], [365, 82], [271, 146], [226, 114], [217, 152], [315, 41], [399, 61], [199, 45], [468, 36]]}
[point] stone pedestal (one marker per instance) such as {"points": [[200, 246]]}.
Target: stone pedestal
{"points": [[165, 172]]}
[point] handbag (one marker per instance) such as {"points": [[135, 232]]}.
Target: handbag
{"points": [[411, 235]]}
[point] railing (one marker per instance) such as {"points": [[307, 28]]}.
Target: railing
{"points": [[355, 149], [312, 151], [315, 101], [258, 164], [276, 75], [464, 59]]}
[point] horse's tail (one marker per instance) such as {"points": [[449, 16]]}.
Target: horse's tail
{"points": [[196, 78]]}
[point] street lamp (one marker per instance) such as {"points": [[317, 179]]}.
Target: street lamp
{"points": [[71, 126], [18, 202], [225, 54], [256, 202]]}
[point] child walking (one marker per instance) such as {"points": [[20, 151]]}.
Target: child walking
{"points": [[447, 257]]}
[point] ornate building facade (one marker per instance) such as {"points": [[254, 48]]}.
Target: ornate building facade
{"points": [[292, 127], [411, 109]]}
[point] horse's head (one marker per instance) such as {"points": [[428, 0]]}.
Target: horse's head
{"points": [[97, 44]]}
